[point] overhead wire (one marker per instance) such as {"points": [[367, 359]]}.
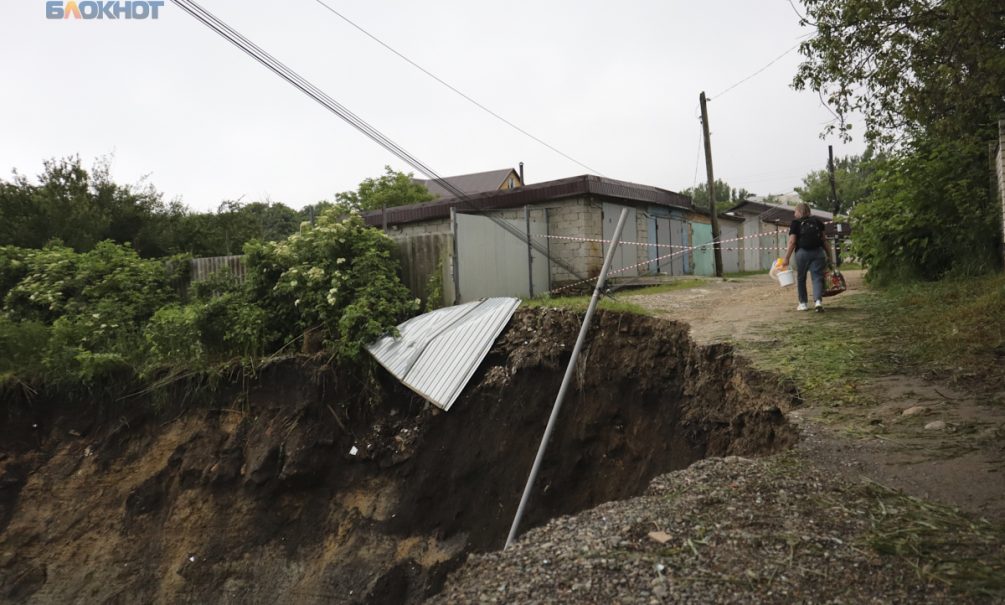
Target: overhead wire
{"points": [[305, 86], [770, 63], [454, 89]]}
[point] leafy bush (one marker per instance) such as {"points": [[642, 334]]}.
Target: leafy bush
{"points": [[173, 336], [98, 316], [22, 347], [338, 275], [929, 215]]}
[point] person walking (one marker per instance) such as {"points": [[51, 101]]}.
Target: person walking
{"points": [[812, 250]]}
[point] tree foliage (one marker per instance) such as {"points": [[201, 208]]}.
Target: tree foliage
{"points": [[391, 189], [906, 65], [80, 207], [927, 76], [852, 180], [725, 196], [929, 214]]}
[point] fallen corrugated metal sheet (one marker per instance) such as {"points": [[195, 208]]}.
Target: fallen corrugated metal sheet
{"points": [[438, 352]]}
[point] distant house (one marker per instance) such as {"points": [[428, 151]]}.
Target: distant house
{"points": [[477, 245], [477, 182]]}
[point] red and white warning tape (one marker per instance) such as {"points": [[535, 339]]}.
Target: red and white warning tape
{"points": [[672, 246]]}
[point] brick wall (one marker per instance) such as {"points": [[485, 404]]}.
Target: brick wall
{"points": [[577, 217]]}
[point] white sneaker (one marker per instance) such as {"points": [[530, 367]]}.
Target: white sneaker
{"points": [[802, 307], [818, 306]]}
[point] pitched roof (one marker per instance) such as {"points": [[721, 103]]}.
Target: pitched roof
{"points": [[772, 213], [533, 194], [476, 182]]}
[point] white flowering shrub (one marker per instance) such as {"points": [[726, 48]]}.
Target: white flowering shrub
{"points": [[337, 276]]}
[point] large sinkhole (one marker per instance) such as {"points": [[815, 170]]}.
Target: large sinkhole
{"points": [[309, 484]]}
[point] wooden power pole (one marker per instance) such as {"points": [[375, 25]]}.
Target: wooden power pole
{"points": [[830, 169], [837, 205], [716, 247]]}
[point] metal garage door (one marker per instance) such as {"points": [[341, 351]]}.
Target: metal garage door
{"points": [[624, 256]]}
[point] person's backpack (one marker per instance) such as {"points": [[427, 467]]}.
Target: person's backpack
{"points": [[811, 234]]}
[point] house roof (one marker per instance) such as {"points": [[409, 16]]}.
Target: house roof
{"points": [[776, 213], [476, 182], [533, 194]]}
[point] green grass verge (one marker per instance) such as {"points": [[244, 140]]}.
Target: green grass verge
{"points": [[952, 327], [944, 546], [619, 302], [580, 303]]}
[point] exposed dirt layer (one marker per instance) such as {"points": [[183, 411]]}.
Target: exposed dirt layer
{"points": [[290, 487]]}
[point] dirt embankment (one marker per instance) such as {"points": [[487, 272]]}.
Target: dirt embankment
{"points": [[257, 496]]}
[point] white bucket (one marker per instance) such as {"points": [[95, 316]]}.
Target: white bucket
{"points": [[786, 278]]}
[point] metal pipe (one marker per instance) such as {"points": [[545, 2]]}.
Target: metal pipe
{"points": [[530, 254], [569, 371]]}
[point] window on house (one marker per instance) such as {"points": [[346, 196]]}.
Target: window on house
{"points": [[511, 183]]}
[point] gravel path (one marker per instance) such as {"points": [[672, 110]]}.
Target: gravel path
{"points": [[736, 530]]}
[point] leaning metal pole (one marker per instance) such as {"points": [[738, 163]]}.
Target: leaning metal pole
{"points": [[569, 370]]}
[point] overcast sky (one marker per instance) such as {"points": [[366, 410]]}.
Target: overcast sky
{"points": [[613, 84]]}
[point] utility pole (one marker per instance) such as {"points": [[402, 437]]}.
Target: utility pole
{"points": [[830, 169], [837, 205], [716, 247]]}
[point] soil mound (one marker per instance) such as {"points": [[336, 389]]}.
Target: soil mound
{"points": [[307, 483]]}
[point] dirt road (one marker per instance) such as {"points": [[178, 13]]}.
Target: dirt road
{"points": [[926, 437], [738, 309]]}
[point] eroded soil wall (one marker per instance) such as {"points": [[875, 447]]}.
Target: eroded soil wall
{"points": [[254, 497]]}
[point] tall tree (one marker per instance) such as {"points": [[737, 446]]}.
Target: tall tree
{"points": [[935, 65], [391, 189], [725, 196], [927, 76], [852, 180]]}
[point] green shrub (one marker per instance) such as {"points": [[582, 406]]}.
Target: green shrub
{"points": [[338, 275], [173, 338], [929, 214], [22, 347]]}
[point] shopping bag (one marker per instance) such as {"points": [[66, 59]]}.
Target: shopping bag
{"points": [[834, 283]]}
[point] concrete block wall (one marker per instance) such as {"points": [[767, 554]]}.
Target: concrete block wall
{"points": [[580, 218]]}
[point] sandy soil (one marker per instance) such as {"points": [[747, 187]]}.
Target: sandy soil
{"points": [[960, 464]]}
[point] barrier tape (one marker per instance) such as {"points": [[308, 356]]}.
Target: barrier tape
{"points": [[628, 268], [678, 246], [702, 247]]}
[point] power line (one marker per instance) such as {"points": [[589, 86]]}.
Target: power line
{"points": [[455, 90], [770, 63], [295, 79]]}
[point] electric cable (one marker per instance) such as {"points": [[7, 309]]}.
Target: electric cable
{"points": [[305, 86], [454, 89]]}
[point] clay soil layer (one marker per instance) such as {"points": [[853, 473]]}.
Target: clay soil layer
{"points": [[253, 495]]}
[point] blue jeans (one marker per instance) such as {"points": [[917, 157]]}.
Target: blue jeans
{"points": [[814, 261]]}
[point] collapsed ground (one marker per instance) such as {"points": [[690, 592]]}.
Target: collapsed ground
{"points": [[901, 391], [305, 482], [256, 497]]}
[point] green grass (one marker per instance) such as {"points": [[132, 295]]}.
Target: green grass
{"points": [[944, 546], [580, 303], [950, 327], [617, 302]]}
